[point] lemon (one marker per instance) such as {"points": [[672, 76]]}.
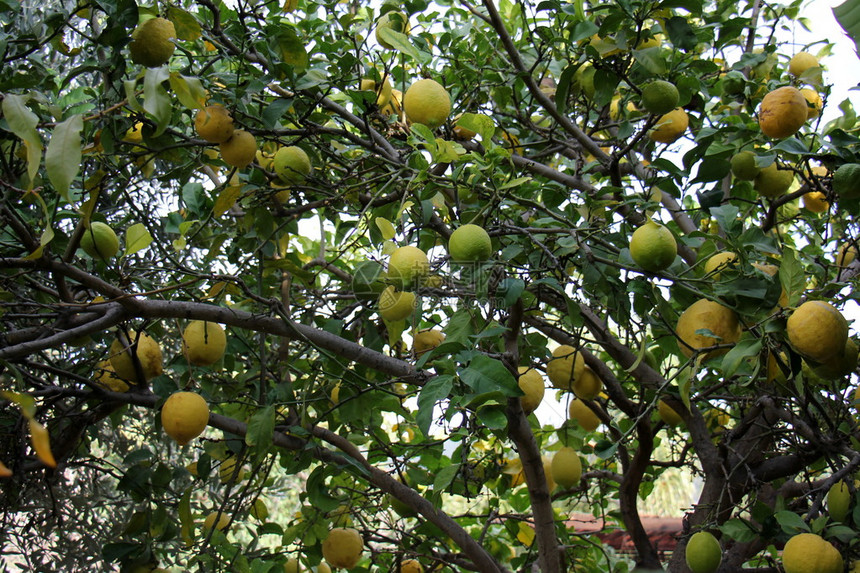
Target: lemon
{"points": [[100, 241], [583, 81], [814, 103], [411, 566], [743, 165], [706, 314], [588, 385], [566, 467], [531, 383], [733, 83], [227, 470], [395, 305], [846, 181], [470, 243], [817, 331], [152, 42], [838, 501], [810, 553], [214, 124], [184, 416], [292, 565], [670, 127], [668, 414], [772, 181], [107, 378], [801, 62], [703, 553], [203, 343], [720, 262], [583, 415], [342, 547], [323, 568], [240, 150], [148, 354], [660, 97], [393, 20], [782, 112], [847, 253], [427, 102], [547, 472], [841, 364], [383, 93], [565, 366], [292, 165], [407, 265], [427, 340], [653, 247], [223, 520], [816, 201]]}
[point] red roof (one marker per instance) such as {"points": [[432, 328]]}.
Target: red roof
{"points": [[662, 531]]}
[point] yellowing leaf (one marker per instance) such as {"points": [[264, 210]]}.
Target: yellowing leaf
{"points": [[525, 535], [41, 441], [189, 90], [63, 157], [388, 247], [24, 401], [226, 199], [187, 26], [137, 238], [47, 237], [385, 227], [216, 289], [23, 122], [291, 48]]}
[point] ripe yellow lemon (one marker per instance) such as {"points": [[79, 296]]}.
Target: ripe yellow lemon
{"points": [[817, 331], [801, 62], [743, 165], [703, 553], [292, 565], [148, 352], [783, 111], [720, 262], [427, 102], [184, 416], [668, 414], [847, 253], [214, 123], [100, 241], [584, 416], [653, 247], [566, 467], [227, 470], [811, 553], [240, 150], [660, 97], [203, 343], [565, 366], [838, 501], [383, 92], [772, 181], [396, 305], [223, 520], [670, 127], [342, 547], [531, 383], [470, 243], [846, 181], [407, 265], [292, 164], [706, 314], [587, 385], [107, 378], [547, 472], [816, 201], [323, 567], [841, 364], [152, 42], [393, 20], [427, 340], [411, 566], [814, 102]]}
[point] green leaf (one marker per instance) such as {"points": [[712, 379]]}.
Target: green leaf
{"points": [[444, 477], [156, 101], [682, 35], [23, 122], [790, 522], [739, 530], [651, 59], [791, 276], [317, 491], [493, 416], [290, 48], [385, 227], [63, 157], [187, 26], [189, 90], [848, 16], [260, 429], [137, 238], [740, 352], [481, 124], [436, 389], [186, 520], [486, 374], [399, 40]]}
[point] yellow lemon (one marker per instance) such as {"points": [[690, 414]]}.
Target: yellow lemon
{"points": [[587, 385], [653, 247], [411, 566], [383, 92], [107, 378], [152, 42], [566, 467], [720, 262], [816, 201], [184, 416], [223, 520], [427, 102], [847, 253], [801, 62], [214, 124], [668, 414], [531, 383], [670, 127], [427, 340], [565, 366], [783, 111], [703, 553], [705, 314], [342, 547], [810, 553], [817, 331], [841, 364], [203, 343], [148, 354], [393, 20], [292, 565], [408, 265], [292, 165], [396, 305], [583, 415], [240, 150], [813, 101]]}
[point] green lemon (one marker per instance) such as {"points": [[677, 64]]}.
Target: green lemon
{"points": [[99, 241], [743, 165], [470, 243], [660, 97], [653, 247], [703, 553], [846, 181]]}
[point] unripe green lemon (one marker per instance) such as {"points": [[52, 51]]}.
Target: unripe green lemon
{"points": [[396, 305], [743, 165], [184, 416], [292, 565], [214, 124], [733, 83], [653, 247], [392, 20], [660, 97], [566, 467], [470, 243], [240, 150], [292, 164], [703, 553], [427, 102], [838, 501], [772, 181], [407, 265], [846, 181], [152, 42], [203, 343], [100, 241]]}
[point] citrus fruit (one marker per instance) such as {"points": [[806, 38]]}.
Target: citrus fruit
{"points": [[203, 343], [547, 472], [801, 62], [531, 383], [395, 305], [772, 181], [411, 566], [292, 565], [323, 568], [292, 164], [703, 553], [660, 97], [668, 414], [783, 111], [184, 416], [583, 81], [342, 547], [838, 501], [427, 102], [653, 247], [704, 314], [670, 126], [817, 331], [848, 251], [584, 416], [107, 378], [587, 385], [566, 467], [811, 553], [383, 93], [227, 472], [214, 123], [816, 201], [733, 83], [152, 42], [846, 181], [240, 150], [841, 364], [407, 265], [100, 241], [814, 103], [720, 262], [743, 165], [470, 243], [223, 520], [367, 283], [148, 354], [565, 366], [427, 340], [393, 20]]}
